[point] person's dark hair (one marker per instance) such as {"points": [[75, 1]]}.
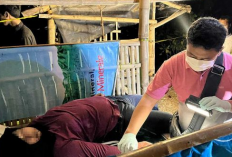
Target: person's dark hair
{"points": [[229, 20], [14, 10], [12, 146], [207, 32]]}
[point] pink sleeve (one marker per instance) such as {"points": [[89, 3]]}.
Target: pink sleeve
{"points": [[162, 81]]}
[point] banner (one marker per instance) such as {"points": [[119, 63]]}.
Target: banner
{"points": [[35, 79], [88, 68]]}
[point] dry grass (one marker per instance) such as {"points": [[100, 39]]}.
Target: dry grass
{"points": [[169, 103]]}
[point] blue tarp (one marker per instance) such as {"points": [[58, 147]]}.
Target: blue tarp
{"points": [[35, 79], [221, 147]]}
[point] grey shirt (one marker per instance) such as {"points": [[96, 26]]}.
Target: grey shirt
{"points": [[19, 35]]}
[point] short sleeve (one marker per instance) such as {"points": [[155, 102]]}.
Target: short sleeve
{"points": [[162, 81]]}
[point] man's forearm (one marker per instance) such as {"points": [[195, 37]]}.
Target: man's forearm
{"points": [[140, 114]]}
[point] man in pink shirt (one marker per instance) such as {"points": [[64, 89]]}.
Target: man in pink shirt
{"points": [[187, 72]]}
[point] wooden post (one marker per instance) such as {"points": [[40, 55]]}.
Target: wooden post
{"points": [[51, 30], [152, 44], [144, 10]]}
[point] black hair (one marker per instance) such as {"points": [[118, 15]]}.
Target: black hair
{"points": [[14, 10], [229, 20], [207, 32], [12, 146]]}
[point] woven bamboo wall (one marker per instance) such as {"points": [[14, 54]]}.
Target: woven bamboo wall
{"points": [[128, 74]]}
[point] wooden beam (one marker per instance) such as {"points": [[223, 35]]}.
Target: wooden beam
{"points": [[73, 2], [174, 145], [93, 18]]}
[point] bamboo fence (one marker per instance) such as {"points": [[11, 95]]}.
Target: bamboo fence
{"points": [[128, 73]]}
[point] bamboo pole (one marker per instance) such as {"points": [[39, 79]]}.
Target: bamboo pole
{"points": [[138, 71], [174, 145], [51, 30], [152, 44], [102, 22], [73, 2], [37, 10], [144, 10], [122, 59], [116, 25], [132, 56], [118, 82], [129, 43], [173, 16], [179, 7], [106, 37], [128, 73], [93, 18]]}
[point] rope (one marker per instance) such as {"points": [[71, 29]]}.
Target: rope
{"points": [[21, 18]]}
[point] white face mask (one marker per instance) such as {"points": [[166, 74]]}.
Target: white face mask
{"points": [[199, 65]]}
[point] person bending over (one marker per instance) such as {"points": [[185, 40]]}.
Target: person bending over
{"points": [[75, 128]]}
